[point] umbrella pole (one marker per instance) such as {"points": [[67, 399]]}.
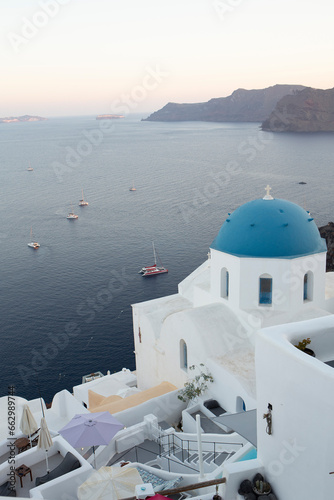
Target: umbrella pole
{"points": [[30, 440], [199, 445], [94, 457], [47, 462]]}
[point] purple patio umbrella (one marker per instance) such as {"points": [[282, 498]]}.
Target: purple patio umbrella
{"points": [[91, 429]]}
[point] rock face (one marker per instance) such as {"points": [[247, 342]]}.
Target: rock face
{"points": [[25, 118], [310, 110], [327, 232], [241, 106]]}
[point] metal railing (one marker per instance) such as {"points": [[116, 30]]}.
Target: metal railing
{"points": [[159, 455], [190, 446]]}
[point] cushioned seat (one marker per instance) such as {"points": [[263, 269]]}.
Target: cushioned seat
{"points": [[158, 483], [69, 463], [6, 490]]}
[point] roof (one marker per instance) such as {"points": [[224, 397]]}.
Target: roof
{"points": [[269, 228], [115, 405]]}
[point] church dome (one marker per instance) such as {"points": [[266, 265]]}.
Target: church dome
{"points": [[269, 228]]}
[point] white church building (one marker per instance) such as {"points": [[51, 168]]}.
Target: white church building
{"points": [[263, 289], [266, 267]]}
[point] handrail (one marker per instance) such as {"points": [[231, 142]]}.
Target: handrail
{"points": [[152, 452], [190, 487], [171, 445]]}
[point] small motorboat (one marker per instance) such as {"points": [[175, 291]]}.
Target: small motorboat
{"points": [[33, 244], [72, 215]]}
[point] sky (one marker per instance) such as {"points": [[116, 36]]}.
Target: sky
{"points": [[88, 57]]}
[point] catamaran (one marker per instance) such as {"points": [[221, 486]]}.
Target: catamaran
{"points": [[154, 269], [33, 244], [82, 202]]}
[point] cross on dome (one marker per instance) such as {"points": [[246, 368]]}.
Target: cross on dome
{"points": [[268, 195]]}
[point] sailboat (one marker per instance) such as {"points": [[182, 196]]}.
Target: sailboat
{"points": [[33, 244], [71, 215], [30, 169], [82, 202], [132, 188], [154, 269]]}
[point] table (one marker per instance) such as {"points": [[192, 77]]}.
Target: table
{"points": [[22, 444], [22, 471]]}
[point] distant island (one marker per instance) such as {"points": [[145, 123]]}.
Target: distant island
{"points": [[108, 117], [241, 106], [281, 108], [310, 110], [25, 118]]}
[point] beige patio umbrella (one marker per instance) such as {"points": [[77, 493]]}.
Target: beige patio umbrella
{"points": [[110, 483], [45, 441], [28, 424]]}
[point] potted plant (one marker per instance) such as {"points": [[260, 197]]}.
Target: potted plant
{"points": [[302, 346], [262, 488], [196, 386]]}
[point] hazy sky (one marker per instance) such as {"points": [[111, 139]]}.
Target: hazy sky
{"points": [[81, 57]]}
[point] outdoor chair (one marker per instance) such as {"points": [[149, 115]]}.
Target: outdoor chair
{"points": [[6, 491], [69, 463]]}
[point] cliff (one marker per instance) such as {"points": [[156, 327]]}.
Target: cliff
{"points": [[25, 118], [310, 110], [241, 106], [327, 232]]}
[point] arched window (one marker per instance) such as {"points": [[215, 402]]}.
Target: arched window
{"points": [[183, 355], [240, 404], [308, 286], [224, 283], [265, 289]]}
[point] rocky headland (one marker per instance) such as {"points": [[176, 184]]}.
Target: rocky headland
{"points": [[327, 232], [241, 106], [25, 118], [310, 110]]}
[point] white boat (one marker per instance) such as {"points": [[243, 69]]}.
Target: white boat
{"points": [[33, 244], [132, 188], [154, 269], [82, 202], [30, 169], [71, 215]]}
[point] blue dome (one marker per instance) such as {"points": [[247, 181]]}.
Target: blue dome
{"points": [[269, 228]]}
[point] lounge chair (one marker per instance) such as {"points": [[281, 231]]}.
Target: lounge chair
{"points": [[6, 490], [69, 463]]}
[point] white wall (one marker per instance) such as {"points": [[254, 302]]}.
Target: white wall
{"points": [[57, 487], [165, 407], [219, 260], [287, 276], [227, 387], [300, 389]]}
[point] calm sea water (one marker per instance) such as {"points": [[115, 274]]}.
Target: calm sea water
{"points": [[66, 308]]}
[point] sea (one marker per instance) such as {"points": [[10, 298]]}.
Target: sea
{"points": [[65, 309]]}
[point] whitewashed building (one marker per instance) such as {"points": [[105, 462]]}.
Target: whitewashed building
{"points": [[266, 267]]}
